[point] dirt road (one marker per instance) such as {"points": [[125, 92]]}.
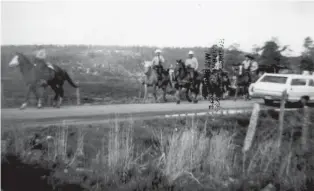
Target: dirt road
{"points": [[13, 117]]}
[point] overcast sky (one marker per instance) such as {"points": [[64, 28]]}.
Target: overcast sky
{"points": [[157, 23]]}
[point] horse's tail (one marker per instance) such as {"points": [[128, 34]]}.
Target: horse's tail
{"points": [[67, 77]]}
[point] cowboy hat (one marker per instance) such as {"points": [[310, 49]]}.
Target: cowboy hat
{"points": [[249, 56], [158, 51], [41, 54], [191, 52]]}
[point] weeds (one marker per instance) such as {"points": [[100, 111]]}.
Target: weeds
{"points": [[198, 155]]}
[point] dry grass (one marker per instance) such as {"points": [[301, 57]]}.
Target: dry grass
{"points": [[120, 148], [197, 154]]}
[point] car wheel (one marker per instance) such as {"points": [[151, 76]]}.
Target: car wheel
{"points": [[304, 101], [268, 102]]}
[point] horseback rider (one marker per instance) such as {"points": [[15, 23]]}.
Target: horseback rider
{"points": [[41, 57], [192, 64], [157, 63]]}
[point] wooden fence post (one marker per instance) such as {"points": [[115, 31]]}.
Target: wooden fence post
{"points": [[305, 129], [250, 133], [281, 116], [78, 97], [252, 128]]}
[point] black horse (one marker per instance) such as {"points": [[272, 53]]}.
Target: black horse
{"points": [[184, 80], [38, 76], [243, 80], [226, 84], [212, 84]]}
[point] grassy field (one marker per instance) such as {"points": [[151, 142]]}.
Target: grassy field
{"points": [[201, 153]]}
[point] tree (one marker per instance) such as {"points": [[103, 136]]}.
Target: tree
{"points": [[271, 54], [234, 46], [232, 56], [307, 62], [308, 43]]}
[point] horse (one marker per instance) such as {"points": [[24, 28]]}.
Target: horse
{"points": [[151, 80], [226, 84], [243, 80], [38, 76], [212, 84], [183, 79]]}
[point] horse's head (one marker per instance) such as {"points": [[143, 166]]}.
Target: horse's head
{"points": [[225, 77], [19, 59], [180, 64], [15, 61], [147, 66]]}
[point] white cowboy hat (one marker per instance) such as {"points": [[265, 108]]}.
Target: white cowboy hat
{"points": [[158, 51], [191, 52], [41, 54]]}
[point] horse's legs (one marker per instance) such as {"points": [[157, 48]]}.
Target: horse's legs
{"points": [[145, 93], [178, 92], [246, 92], [28, 91], [195, 93], [56, 90], [205, 91], [39, 95], [164, 89], [155, 92], [187, 91], [236, 93], [61, 93]]}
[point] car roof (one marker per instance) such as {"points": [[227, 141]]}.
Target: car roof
{"points": [[291, 75]]}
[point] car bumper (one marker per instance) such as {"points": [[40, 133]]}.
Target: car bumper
{"points": [[266, 96], [274, 96]]}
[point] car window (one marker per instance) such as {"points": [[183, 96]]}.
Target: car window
{"points": [[298, 82], [274, 79], [311, 83]]}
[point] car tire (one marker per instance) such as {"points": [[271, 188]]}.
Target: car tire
{"points": [[304, 101], [268, 102]]}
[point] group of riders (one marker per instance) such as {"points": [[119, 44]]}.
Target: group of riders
{"points": [[248, 67]]}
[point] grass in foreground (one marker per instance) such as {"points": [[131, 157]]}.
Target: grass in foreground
{"points": [[170, 154]]}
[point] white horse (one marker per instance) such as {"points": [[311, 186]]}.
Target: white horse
{"points": [[151, 80]]}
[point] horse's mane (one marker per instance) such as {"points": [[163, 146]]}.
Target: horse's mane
{"points": [[23, 57], [147, 63], [181, 63]]}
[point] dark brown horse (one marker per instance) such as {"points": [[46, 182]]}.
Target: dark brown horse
{"points": [[38, 76], [243, 80], [151, 80], [226, 84], [183, 80], [212, 84]]}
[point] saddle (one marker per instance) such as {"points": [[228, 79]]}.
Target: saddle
{"points": [[159, 70]]}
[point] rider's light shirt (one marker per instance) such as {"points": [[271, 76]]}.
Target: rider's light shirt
{"points": [[246, 65], [157, 59], [254, 66], [192, 62]]}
